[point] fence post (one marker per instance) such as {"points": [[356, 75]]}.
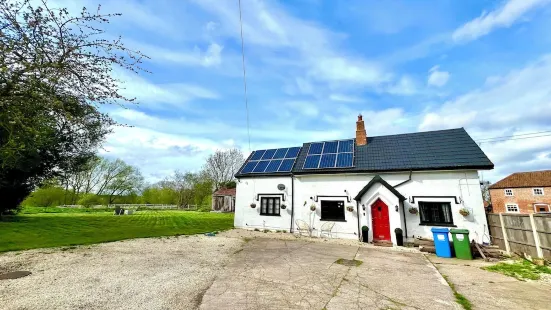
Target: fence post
{"points": [[536, 236], [504, 231]]}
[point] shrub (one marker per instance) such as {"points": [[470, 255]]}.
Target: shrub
{"points": [[49, 196], [89, 200]]}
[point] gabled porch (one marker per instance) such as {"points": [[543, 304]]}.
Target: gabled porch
{"points": [[381, 208]]}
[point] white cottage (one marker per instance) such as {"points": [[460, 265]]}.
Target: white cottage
{"points": [[412, 181]]}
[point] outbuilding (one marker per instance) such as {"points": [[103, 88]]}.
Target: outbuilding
{"points": [[223, 200]]}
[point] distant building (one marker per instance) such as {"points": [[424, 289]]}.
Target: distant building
{"points": [[223, 200], [522, 192]]}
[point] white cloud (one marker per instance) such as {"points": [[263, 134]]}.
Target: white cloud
{"points": [[498, 103], [344, 98], [437, 78], [502, 17], [210, 56], [513, 104], [157, 153], [305, 108], [268, 28], [339, 69], [161, 96], [405, 86]]}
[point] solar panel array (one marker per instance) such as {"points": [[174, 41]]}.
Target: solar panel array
{"points": [[330, 154], [271, 161]]}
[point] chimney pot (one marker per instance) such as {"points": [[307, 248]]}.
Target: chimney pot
{"points": [[361, 135]]}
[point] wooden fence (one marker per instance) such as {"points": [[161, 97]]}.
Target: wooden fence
{"points": [[135, 206], [525, 234]]}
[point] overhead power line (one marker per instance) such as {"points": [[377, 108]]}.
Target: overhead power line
{"points": [[510, 139], [513, 136], [244, 76]]}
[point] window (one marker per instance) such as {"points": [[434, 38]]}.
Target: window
{"points": [[508, 192], [332, 210], [512, 208], [269, 206], [436, 213], [541, 208], [537, 191]]}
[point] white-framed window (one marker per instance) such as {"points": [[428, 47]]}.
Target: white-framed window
{"points": [[537, 191], [508, 192], [512, 208]]}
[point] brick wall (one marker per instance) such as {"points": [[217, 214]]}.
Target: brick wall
{"points": [[523, 197]]}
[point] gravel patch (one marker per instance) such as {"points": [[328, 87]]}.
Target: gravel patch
{"points": [[152, 273], [251, 234]]}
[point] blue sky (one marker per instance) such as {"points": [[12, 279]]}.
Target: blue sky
{"points": [[313, 66]]}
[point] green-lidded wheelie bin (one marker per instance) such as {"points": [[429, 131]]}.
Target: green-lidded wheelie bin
{"points": [[461, 243]]}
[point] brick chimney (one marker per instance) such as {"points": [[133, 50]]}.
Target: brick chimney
{"points": [[361, 136]]}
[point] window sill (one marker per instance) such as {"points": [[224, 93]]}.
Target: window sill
{"points": [[270, 214], [330, 220], [438, 225]]}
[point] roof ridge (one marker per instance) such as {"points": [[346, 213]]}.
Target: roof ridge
{"points": [[393, 135]]}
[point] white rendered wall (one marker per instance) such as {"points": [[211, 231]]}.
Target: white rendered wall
{"points": [[463, 184], [246, 193]]}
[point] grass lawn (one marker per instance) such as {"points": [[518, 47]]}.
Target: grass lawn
{"points": [[521, 269], [30, 230]]}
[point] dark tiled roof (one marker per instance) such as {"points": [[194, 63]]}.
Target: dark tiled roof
{"points": [[225, 192], [378, 179], [431, 150], [525, 179]]}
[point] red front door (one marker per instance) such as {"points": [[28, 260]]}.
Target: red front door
{"points": [[379, 219]]}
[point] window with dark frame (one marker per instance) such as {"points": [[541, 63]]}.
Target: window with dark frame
{"points": [[435, 213], [332, 211], [270, 206]]}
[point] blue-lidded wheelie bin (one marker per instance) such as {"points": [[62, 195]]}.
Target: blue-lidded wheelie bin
{"points": [[442, 242]]}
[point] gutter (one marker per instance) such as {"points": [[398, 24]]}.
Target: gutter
{"points": [[403, 207], [405, 221], [402, 183], [292, 202], [358, 210]]}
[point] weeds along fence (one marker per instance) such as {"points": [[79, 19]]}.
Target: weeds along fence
{"points": [[144, 206], [525, 234]]}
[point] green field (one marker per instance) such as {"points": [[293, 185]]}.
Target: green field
{"points": [[30, 229]]}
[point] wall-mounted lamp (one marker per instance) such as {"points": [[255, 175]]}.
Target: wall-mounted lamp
{"points": [[363, 207], [396, 208]]}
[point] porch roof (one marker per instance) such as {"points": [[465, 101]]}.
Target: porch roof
{"points": [[378, 179]]}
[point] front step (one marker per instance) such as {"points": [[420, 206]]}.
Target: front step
{"points": [[384, 243]]}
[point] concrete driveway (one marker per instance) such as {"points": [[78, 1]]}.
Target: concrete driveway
{"points": [[281, 274]]}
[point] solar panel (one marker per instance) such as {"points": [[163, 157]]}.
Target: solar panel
{"points": [[293, 152], [273, 165], [269, 154], [328, 160], [286, 165], [312, 161], [249, 167], [315, 148], [346, 146], [271, 161], [261, 166], [345, 160], [280, 153], [334, 154], [257, 155], [330, 147]]}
